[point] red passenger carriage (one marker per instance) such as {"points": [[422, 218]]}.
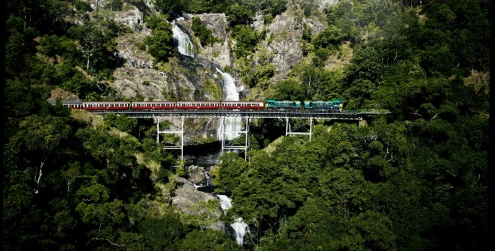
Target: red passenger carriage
{"points": [[73, 105], [242, 105], [153, 105], [201, 105], [102, 106]]}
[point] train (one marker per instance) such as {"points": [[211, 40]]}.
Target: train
{"points": [[333, 105]]}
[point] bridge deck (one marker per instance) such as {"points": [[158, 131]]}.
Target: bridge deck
{"points": [[345, 115]]}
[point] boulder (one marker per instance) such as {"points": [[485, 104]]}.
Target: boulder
{"points": [[186, 197]]}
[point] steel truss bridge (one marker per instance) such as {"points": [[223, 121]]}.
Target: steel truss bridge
{"points": [[226, 115]]}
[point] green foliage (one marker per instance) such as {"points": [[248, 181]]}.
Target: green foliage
{"points": [[203, 33], [329, 38], [285, 90], [317, 83], [82, 6], [61, 46], [276, 7], [361, 77], [247, 39], [370, 230], [306, 32], [109, 119], [125, 124], [313, 228], [207, 213], [267, 19], [160, 45], [208, 239], [227, 177], [98, 47], [169, 7], [198, 6], [260, 74], [239, 15], [116, 5], [181, 171], [344, 191], [267, 190], [162, 233], [161, 42]]}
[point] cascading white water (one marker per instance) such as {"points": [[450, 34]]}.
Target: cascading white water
{"points": [[182, 40], [230, 93], [240, 228]]}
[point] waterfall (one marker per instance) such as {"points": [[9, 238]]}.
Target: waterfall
{"points": [[230, 93], [182, 41], [240, 228]]}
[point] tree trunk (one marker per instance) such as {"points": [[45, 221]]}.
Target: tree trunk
{"points": [[38, 177]]}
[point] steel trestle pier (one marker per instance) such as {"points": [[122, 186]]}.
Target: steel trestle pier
{"points": [[289, 131], [172, 131], [224, 133], [245, 116]]}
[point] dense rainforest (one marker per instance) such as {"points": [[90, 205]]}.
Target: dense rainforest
{"points": [[415, 179]]}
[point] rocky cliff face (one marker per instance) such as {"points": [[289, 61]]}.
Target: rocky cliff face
{"points": [[221, 52], [284, 40], [181, 78], [185, 78]]}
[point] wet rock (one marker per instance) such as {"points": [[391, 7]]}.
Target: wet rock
{"points": [[186, 198], [196, 174]]}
